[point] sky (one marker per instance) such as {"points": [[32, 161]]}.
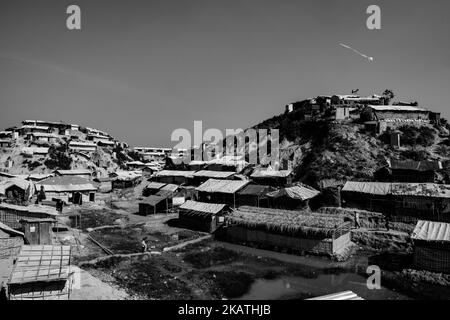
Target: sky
{"points": [[140, 69]]}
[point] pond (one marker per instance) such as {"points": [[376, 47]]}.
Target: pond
{"points": [[301, 288]]}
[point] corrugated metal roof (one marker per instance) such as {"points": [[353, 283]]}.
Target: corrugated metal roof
{"points": [[399, 189], [398, 108], [222, 186], [33, 150], [214, 174], [301, 192], [31, 208], [170, 187], [344, 295], [262, 173], [431, 231], [155, 185], [153, 200], [41, 263], [255, 190], [415, 165], [211, 208], [175, 173], [378, 188], [74, 172], [66, 184]]}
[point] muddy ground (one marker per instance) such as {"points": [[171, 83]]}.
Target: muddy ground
{"points": [[208, 270]]}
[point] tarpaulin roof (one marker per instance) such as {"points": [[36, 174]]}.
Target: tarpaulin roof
{"points": [[378, 188], [202, 207], [214, 174], [222, 186], [431, 231], [300, 192], [22, 184], [66, 184], [263, 173], [170, 187], [127, 175], [255, 190], [9, 230], [415, 165]]}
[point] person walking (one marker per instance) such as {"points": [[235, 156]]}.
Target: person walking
{"points": [[144, 245], [357, 222]]}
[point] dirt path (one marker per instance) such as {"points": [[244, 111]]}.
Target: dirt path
{"points": [[88, 287]]}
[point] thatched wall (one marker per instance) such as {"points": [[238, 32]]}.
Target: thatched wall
{"points": [[264, 239], [431, 258]]}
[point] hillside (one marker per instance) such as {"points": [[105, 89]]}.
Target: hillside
{"points": [[320, 148]]}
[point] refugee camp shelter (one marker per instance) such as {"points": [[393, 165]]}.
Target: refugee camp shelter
{"points": [[41, 273], [18, 190], [431, 242], [221, 191], [204, 175], [10, 241], [75, 172], [420, 200], [12, 214], [69, 189], [295, 197], [125, 179], [392, 113], [414, 171], [202, 216], [152, 188], [196, 165], [297, 231], [227, 163], [254, 195], [174, 176], [4, 143], [82, 146], [38, 231], [154, 204], [272, 177]]}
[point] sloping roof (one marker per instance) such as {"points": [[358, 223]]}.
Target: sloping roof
{"points": [[378, 188], [398, 108], [263, 173], [255, 190], [41, 264], [127, 175], [153, 200], [155, 185], [399, 189], [301, 192], [82, 144], [431, 231], [22, 184], [175, 173], [170, 187], [222, 186], [66, 184], [202, 207], [214, 174], [74, 172], [344, 295], [415, 165], [421, 189], [44, 135], [9, 230], [33, 150], [50, 211]]}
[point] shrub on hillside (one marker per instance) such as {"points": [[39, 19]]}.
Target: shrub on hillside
{"points": [[413, 136], [58, 158], [416, 155]]}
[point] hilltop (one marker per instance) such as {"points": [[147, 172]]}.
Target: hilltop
{"points": [[317, 146]]}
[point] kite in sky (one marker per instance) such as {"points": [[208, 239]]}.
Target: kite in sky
{"points": [[370, 59]]}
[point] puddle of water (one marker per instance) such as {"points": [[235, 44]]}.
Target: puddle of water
{"points": [[299, 287]]}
